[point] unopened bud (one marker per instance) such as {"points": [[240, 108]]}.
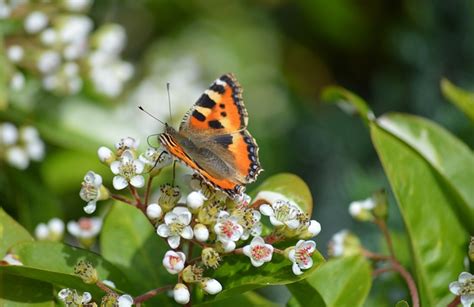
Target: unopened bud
{"points": [[86, 272]]}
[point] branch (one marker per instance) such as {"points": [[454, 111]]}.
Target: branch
{"points": [[122, 199], [148, 295]]}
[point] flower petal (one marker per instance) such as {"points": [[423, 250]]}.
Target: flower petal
{"points": [[464, 277], [137, 181], [292, 224], [247, 250], [139, 166], [256, 263], [119, 183], [187, 233], [170, 217], [90, 208], [467, 300], [115, 167], [275, 222], [163, 231], [296, 269], [173, 241], [307, 265], [266, 210]]}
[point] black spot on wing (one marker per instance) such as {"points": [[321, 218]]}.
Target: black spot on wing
{"points": [[215, 124], [205, 102], [224, 140], [217, 88], [223, 114], [199, 116], [222, 106], [254, 167]]}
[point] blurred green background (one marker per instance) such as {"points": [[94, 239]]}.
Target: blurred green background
{"points": [[392, 53]]}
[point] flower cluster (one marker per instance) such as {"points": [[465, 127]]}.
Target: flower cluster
{"points": [[199, 216], [19, 146], [57, 42]]}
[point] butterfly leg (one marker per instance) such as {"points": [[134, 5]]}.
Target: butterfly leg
{"points": [[174, 172]]}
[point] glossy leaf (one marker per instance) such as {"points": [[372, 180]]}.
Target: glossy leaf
{"points": [[464, 100], [249, 298], [11, 233], [130, 242], [291, 186], [19, 291], [402, 304], [339, 282], [445, 153], [437, 239], [54, 263], [237, 275], [348, 102]]}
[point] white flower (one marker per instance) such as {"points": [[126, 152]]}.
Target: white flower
{"points": [[105, 154], [361, 210], [301, 256], [314, 228], [174, 262], [195, 199], [156, 158], [258, 251], [337, 243], [74, 29], [35, 22], [49, 37], [17, 157], [41, 231], [176, 226], [90, 191], [15, 53], [344, 243], [181, 294], [11, 259], [111, 38], [77, 5], [109, 283], [34, 146], [127, 170], [8, 134], [5, 10], [48, 61], [86, 297], [85, 228], [125, 300], [17, 82], [281, 213], [464, 287], [126, 143], [154, 211], [201, 233], [56, 228], [251, 222], [228, 230], [211, 286]]}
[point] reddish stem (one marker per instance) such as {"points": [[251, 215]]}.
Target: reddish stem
{"points": [[104, 287], [148, 189], [122, 199], [138, 200], [148, 295], [456, 301]]}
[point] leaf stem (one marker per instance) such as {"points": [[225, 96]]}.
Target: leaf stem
{"points": [[148, 295]]}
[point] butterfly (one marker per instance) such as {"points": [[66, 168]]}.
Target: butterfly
{"points": [[214, 141]]}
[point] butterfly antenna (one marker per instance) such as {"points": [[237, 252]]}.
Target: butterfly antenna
{"points": [[169, 100], [142, 109]]}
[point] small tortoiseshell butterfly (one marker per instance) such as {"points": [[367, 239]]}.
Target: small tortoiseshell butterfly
{"points": [[213, 139]]}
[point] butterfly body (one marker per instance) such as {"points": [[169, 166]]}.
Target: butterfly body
{"points": [[213, 138]]}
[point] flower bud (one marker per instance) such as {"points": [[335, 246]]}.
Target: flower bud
{"points": [[344, 244], [15, 53], [105, 155], [125, 301], [56, 229], [381, 204], [362, 210], [181, 294], [314, 228], [154, 212], [174, 261], [86, 272], [41, 231], [195, 200], [8, 134], [201, 233], [211, 286], [35, 22]]}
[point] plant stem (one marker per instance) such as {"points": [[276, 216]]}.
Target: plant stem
{"points": [[148, 295], [383, 227], [138, 201], [415, 300], [104, 287], [456, 301], [148, 189], [374, 256], [122, 199]]}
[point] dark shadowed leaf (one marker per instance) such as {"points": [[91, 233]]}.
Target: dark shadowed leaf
{"points": [[19, 291]]}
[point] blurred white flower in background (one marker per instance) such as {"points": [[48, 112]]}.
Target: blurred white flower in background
{"points": [[53, 230], [20, 146]]}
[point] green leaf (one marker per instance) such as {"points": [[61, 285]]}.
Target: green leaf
{"points": [[11, 233], [20, 291], [437, 239], [402, 304], [291, 186], [348, 102], [303, 294], [249, 298], [237, 275], [464, 100], [54, 263], [130, 242], [447, 155], [340, 282]]}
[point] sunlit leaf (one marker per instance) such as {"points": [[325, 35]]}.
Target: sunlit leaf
{"points": [[54, 263], [446, 154], [249, 298], [339, 282], [11, 233], [292, 187], [463, 99], [130, 242], [437, 239]]}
